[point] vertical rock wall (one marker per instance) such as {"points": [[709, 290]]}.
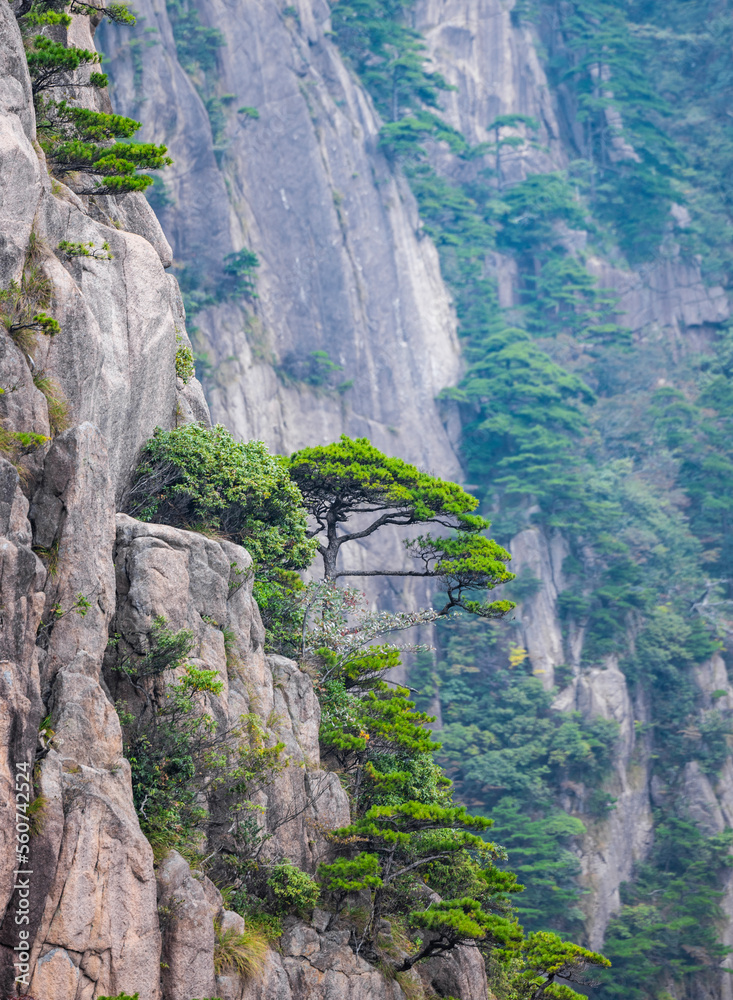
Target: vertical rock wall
{"points": [[343, 267], [101, 918]]}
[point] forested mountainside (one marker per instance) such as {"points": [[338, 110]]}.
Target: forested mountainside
{"points": [[493, 238], [570, 162]]}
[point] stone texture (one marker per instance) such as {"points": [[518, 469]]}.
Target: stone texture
{"points": [[460, 973], [496, 70], [532, 556], [186, 577], [188, 951], [343, 268], [22, 577], [617, 842]]}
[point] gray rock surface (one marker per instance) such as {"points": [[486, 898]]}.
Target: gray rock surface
{"points": [[343, 266], [186, 578]]}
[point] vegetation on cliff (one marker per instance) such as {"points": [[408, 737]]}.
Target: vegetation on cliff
{"points": [[570, 425]]}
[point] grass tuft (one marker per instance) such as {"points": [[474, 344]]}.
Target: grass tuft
{"points": [[58, 407], [242, 953]]}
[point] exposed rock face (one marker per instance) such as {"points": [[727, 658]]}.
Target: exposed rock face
{"points": [[206, 586], [534, 556], [93, 917], [343, 266], [495, 68]]}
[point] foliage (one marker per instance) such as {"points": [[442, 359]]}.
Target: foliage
{"points": [[294, 890], [316, 369], [278, 596], [23, 303], [185, 368], [39, 12], [56, 403], [667, 928], [70, 250], [176, 749], [200, 477], [510, 754], [340, 623], [666, 648], [77, 139], [395, 842], [14, 444], [548, 958], [196, 44], [239, 269], [387, 55], [242, 953], [460, 921], [352, 478], [49, 61]]}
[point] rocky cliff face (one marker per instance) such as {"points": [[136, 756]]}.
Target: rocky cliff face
{"points": [[101, 919], [344, 269]]}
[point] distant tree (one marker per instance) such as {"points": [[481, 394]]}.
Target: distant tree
{"points": [[497, 126], [351, 480]]}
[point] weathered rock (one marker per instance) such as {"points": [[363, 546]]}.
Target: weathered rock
{"points": [[188, 932], [460, 973], [22, 577], [533, 556], [343, 266], [494, 65], [205, 585], [614, 843]]}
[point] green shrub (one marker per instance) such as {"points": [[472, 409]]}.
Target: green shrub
{"points": [[176, 749], [23, 303], [201, 478], [315, 369], [85, 250], [13, 444], [239, 271], [185, 368], [294, 890]]}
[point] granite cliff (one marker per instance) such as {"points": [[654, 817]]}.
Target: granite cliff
{"points": [[345, 269], [314, 147], [99, 918]]}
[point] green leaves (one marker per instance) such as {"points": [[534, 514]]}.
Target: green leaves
{"points": [[80, 139], [239, 269], [351, 875], [48, 61], [549, 958], [201, 477], [460, 921], [387, 55], [351, 478], [667, 927], [294, 890]]}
